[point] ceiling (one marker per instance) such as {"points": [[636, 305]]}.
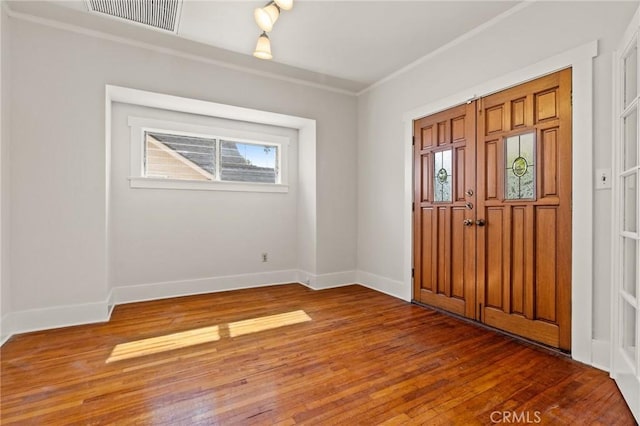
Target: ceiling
{"points": [[345, 44]]}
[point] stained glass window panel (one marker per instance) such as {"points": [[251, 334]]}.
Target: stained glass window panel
{"points": [[442, 176], [520, 167]]}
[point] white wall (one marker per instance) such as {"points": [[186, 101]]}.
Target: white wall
{"points": [[58, 221], [536, 32], [5, 294], [160, 235]]}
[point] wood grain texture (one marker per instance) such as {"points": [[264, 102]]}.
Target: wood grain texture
{"points": [[362, 358], [444, 264]]}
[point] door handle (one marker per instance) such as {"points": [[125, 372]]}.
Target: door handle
{"points": [[480, 222], [467, 222]]}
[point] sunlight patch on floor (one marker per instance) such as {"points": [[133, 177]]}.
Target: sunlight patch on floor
{"points": [[254, 325], [198, 336], [164, 343]]}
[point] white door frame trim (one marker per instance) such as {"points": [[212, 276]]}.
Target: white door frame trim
{"points": [[581, 61]]}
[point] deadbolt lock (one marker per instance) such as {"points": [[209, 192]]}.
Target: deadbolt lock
{"points": [[469, 192], [469, 206]]}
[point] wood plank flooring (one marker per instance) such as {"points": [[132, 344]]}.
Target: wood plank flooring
{"points": [[289, 355]]}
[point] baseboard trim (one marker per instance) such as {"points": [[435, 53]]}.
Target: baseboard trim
{"points": [[601, 354], [4, 333], [326, 281], [55, 317], [167, 289], [383, 285]]}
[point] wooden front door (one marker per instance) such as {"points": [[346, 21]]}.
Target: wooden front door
{"points": [[509, 214], [444, 250]]}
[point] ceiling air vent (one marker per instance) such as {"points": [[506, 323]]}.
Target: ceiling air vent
{"points": [[161, 14]]}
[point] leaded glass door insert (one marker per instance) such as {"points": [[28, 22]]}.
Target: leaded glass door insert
{"points": [[520, 164], [443, 176]]}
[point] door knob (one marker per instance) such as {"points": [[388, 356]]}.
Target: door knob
{"points": [[480, 222], [467, 222]]}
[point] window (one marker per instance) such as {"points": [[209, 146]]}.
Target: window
{"points": [[183, 156]]}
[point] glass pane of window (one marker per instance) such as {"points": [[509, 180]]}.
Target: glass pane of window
{"points": [[629, 264], [629, 343], [631, 76], [631, 140], [520, 173], [179, 157], [630, 203], [248, 162], [442, 176]]}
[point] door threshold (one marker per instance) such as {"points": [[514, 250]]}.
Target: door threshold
{"points": [[524, 340]]}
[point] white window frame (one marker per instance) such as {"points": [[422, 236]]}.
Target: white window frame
{"points": [[137, 179]]}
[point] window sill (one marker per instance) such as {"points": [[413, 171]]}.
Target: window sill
{"points": [[161, 183]]}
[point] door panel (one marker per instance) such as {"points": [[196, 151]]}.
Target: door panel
{"points": [[495, 244], [444, 248], [524, 250]]}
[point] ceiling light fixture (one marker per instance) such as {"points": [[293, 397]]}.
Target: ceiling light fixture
{"points": [[284, 4], [266, 17], [263, 47]]}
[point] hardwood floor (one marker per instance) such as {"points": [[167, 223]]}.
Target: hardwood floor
{"points": [[342, 356]]}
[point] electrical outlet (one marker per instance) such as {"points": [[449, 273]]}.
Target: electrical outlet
{"points": [[265, 257], [603, 178]]}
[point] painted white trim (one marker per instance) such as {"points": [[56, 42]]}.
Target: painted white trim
{"points": [[162, 183], [111, 302], [384, 285], [4, 333], [325, 281], [54, 317], [464, 37], [601, 354], [172, 52], [202, 107], [168, 289], [3, 235], [581, 61]]}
